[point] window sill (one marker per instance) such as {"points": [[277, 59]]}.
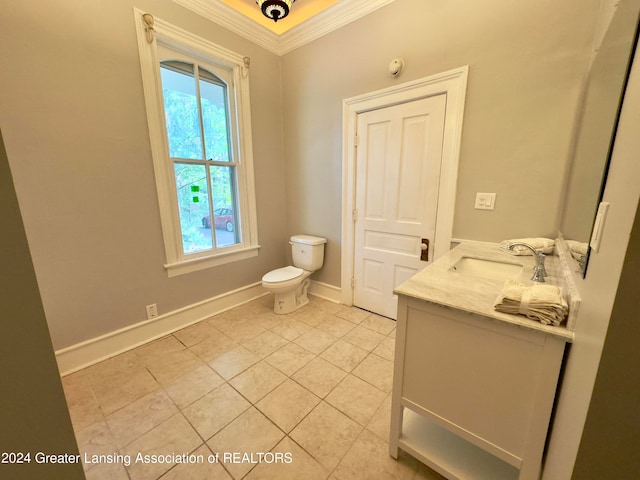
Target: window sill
{"points": [[202, 263]]}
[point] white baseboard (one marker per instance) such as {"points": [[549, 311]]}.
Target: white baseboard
{"points": [[326, 291], [89, 352]]}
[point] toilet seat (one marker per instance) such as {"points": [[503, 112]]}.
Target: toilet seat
{"points": [[283, 274], [289, 285]]}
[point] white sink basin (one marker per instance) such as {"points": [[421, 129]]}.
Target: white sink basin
{"points": [[489, 269]]}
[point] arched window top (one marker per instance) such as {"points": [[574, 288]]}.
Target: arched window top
{"points": [[196, 112], [186, 68]]}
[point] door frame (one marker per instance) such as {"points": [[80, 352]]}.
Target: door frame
{"points": [[453, 84]]}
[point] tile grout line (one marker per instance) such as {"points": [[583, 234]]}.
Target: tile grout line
{"points": [[243, 317]]}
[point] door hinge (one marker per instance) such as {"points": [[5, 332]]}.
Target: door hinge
{"points": [[356, 140], [353, 282], [354, 214]]}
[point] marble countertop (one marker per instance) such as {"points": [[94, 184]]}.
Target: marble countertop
{"points": [[438, 284]]}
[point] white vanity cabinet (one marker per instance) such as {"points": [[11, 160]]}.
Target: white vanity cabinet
{"points": [[472, 395]]}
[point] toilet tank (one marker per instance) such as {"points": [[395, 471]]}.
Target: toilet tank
{"points": [[308, 252]]}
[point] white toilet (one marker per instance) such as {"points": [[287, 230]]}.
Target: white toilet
{"points": [[290, 284]]}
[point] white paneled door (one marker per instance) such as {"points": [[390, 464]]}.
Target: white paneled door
{"points": [[399, 154]]}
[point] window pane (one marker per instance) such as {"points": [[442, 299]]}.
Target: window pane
{"points": [[193, 203], [181, 110], [224, 206], [213, 93]]}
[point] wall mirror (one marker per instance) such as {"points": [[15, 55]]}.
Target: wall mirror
{"points": [[596, 127]]}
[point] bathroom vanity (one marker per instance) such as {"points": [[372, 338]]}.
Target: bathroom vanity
{"points": [[473, 388]]}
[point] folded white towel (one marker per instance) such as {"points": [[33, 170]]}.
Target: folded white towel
{"points": [[544, 303], [545, 245], [577, 249]]}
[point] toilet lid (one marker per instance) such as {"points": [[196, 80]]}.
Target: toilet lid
{"points": [[282, 274]]}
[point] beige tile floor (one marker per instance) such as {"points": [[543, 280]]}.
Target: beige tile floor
{"points": [[313, 386]]}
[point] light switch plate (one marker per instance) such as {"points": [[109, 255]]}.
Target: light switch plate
{"points": [[485, 201], [598, 226]]}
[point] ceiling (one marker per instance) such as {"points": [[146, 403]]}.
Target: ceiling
{"points": [[300, 11], [307, 20]]}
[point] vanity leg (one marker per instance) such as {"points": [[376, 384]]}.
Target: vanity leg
{"points": [[397, 410], [396, 428]]}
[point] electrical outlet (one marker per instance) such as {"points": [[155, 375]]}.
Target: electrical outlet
{"points": [[152, 311], [485, 201]]}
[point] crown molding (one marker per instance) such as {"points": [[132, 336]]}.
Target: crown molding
{"points": [[325, 22]]}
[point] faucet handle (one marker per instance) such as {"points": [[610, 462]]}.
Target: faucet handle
{"points": [[539, 271], [540, 258]]}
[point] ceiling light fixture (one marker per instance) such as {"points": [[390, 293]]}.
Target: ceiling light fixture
{"points": [[275, 9]]}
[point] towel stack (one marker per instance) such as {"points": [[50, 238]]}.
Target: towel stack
{"points": [[545, 245], [577, 249], [544, 303]]}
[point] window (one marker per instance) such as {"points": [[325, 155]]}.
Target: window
{"points": [[197, 99], [196, 110]]}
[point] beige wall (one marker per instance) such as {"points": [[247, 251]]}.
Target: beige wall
{"points": [[72, 113], [613, 408], [606, 320], [611, 436], [600, 107], [75, 128], [527, 61], [73, 119], [29, 372]]}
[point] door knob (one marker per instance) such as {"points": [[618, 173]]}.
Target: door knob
{"points": [[424, 247]]}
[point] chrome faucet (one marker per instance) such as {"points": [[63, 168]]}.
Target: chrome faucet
{"points": [[539, 272]]}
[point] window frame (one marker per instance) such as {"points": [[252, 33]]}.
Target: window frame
{"points": [[199, 50]]}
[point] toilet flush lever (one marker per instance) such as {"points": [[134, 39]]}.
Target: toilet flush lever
{"points": [[424, 246]]}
